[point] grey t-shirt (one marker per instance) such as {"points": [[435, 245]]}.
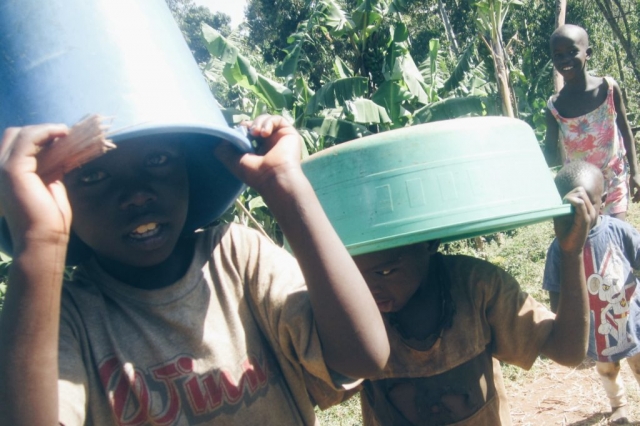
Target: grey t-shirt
{"points": [[232, 343]]}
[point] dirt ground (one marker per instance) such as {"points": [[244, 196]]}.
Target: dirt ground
{"points": [[551, 394]]}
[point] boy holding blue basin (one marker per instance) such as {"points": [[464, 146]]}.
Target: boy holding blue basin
{"points": [[164, 325], [449, 318]]}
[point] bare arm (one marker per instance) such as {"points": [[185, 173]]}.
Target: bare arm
{"points": [[567, 342], [629, 143], [551, 150], [38, 217], [351, 330]]}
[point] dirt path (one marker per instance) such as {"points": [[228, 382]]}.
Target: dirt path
{"points": [[554, 395]]}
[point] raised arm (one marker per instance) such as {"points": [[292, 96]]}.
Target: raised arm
{"points": [[351, 330], [551, 149], [629, 143], [567, 342], [39, 219]]}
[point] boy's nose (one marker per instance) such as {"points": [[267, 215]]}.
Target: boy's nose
{"points": [[138, 198]]}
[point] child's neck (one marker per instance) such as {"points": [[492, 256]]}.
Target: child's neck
{"points": [[582, 83], [420, 317], [158, 276]]}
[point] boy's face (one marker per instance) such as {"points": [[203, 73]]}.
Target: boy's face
{"points": [[394, 275], [130, 205], [569, 53]]}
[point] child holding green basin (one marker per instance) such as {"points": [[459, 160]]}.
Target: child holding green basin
{"points": [[450, 317]]}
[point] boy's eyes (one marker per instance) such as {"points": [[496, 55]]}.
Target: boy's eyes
{"points": [[92, 176], [572, 52], [157, 159], [385, 272]]}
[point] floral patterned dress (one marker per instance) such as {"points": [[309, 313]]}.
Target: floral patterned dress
{"points": [[595, 138]]}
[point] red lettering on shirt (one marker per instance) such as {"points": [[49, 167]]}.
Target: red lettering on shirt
{"points": [[207, 393], [127, 391], [133, 404]]}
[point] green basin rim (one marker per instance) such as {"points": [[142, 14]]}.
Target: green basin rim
{"points": [[459, 231]]}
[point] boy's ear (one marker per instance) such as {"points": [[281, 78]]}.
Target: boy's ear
{"points": [[589, 52]]}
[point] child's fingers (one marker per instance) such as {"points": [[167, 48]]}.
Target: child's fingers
{"points": [[27, 141], [579, 199], [265, 125], [585, 214]]}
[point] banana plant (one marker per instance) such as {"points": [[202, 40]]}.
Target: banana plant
{"points": [[238, 71], [490, 20]]}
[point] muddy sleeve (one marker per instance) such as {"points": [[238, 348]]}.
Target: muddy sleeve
{"points": [[280, 297], [519, 324]]}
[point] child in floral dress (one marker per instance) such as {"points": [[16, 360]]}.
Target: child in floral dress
{"points": [[588, 118]]}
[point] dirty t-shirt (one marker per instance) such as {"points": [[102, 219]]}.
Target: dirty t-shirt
{"points": [[458, 380], [232, 343], [611, 253]]}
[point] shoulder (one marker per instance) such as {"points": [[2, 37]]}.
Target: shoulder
{"points": [[614, 87], [621, 226], [611, 222], [611, 82], [476, 272], [235, 247], [234, 235]]}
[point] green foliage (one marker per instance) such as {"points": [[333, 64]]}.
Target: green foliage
{"points": [[190, 18], [237, 70], [350, 66]]}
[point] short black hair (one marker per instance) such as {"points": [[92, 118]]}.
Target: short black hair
{"points": [[571, 174], [570, 30]]}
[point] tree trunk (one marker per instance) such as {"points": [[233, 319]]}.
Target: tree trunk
{"points": [[623, 87], [561, 12], [502, 77], [605, 7], [447, 26]]}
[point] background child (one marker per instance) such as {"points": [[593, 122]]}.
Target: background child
{"points": [[164, 325], [448, 317], [611, 253], [589, 120]]}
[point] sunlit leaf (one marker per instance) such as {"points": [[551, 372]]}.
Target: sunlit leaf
{"points": [[341, 68], [366, 112], [451, 108], [335, 93], [391, 96], [289, 64], [340, 130]]}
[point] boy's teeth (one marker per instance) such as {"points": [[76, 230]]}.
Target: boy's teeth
{"points": [[145, 228]]}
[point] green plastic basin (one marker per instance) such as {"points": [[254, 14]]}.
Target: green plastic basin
{"points": [[446, 180]]}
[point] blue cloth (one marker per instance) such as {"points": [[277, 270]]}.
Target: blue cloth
{"points": [[611, 254]]}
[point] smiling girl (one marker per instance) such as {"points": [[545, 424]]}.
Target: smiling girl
{"points": [[588, 118]]}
